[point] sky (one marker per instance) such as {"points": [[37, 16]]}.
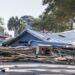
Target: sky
{"points": [[9, 8]]}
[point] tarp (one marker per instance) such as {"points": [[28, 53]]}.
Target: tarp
{"points": [[35, 43]]}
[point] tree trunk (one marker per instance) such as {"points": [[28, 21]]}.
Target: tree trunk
{"points": [[15, 33], [71, 24]]}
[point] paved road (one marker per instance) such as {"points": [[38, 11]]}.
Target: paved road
{"points": [[38, 69]]}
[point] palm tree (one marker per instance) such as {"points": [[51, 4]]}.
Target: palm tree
{"points": [[16, 24]]}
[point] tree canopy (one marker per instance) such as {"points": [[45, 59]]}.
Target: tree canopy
{"points": [[58, 16], [64, 10], [16, 25], [1, 23], [49, 23]]}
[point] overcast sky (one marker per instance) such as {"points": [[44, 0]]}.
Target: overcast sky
{"points": [[19, 8], [9, 8]]}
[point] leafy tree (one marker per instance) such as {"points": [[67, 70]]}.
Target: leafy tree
{"points": [[1, 29], [64, 10], [1, 25], [1, 21], [37, 24], [16, 25], [49, 23]]}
